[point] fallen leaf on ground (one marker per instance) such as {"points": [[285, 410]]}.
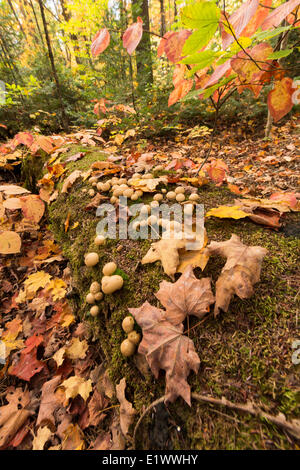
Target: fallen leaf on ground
{"points": [[165, 251], [166, 348], [10, 243], [74, 386], [240, 273], [187, 296], [70, 180], [127, 412], [13, 415], [40, 438]]}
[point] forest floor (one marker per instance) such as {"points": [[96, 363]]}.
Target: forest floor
{"points": [[63, 378]]}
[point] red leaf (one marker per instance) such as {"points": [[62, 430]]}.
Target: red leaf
{"points": [[33, 207], [27, 366], [247, 70], [182, 90], [24, 138], [163, 42], [258, 18], [100, 42], [280, 98], [174, 45], [239, 20], [276, 17], [217, 170], [133, 35], [3, 125], [219, 72]]}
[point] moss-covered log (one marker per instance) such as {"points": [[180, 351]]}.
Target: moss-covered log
{"points": [[245, 354]]}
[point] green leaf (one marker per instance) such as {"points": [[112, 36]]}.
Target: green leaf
{"points": [[198, 39], [280, 54], [270, 34], [203, 59], [203, 15], [200, 15]]}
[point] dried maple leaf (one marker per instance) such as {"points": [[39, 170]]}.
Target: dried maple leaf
{"points": [[166, 348], [240, 273], [127, 412], [28, 365], [40, 438], [74, 386], [32, 284], [10, 243], [32, 207], [70, 180], [95, 410], [187, 296], [49, 404], [166, 250], [77, 349], [13, 415], [73, 438]]}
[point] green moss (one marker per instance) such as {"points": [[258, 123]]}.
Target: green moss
{"points": [[245, 353]]}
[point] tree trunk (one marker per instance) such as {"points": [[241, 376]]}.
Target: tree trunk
{"points": [[143, 51], [64, 119], [162, 18]]}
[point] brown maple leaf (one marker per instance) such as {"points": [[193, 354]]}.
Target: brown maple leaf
{"points": [[240, 273], [166, 250], [127, 412], [166, 348], [187, 296]]}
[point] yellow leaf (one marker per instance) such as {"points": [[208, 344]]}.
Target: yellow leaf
{"points": [[10, 243], [74, 386], [232, 212], [32, 284], [77, 349], [57, 288]]}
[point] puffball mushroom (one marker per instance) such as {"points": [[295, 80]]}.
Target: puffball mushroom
{"points": [[99, 240], [128, 192], [179, 189], [152, 220], [94, 311], [94, 287], [134, 337], [110, 284], [128, 324], [113, 199], [134, 197], [171, 195], [98, 296], [194, 197], [91, 259], [109, 268], [91, 192], [147, 176], [180, 197], [90, 298], [139, 192], [127, 348], [158, 197]]}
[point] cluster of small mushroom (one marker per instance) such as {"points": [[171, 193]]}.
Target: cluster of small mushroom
{"points": [[118, 187], [95, 295], [128, 346], [109, 283]]}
